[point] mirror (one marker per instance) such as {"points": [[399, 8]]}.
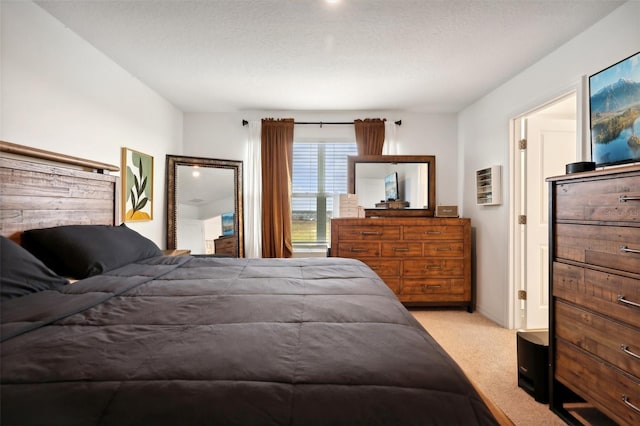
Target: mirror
{"points": [[204, 206], [371, 175]]}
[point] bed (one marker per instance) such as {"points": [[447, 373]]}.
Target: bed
{"points": [[143, 338]]}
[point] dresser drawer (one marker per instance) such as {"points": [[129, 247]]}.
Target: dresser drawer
{"points": [[604, 200], [369, 232], [609, 340], [393, 283], [599, 383], [614, 247], [433, 286], [443, 249], [358, 249], [401, 249], [598, 291], [433, 232], [433, 268], [384, 267]]}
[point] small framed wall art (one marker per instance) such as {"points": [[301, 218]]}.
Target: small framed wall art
{"points": [[137, 186]]}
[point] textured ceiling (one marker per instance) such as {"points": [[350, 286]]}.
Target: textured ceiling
{"points": [[235, 55]]}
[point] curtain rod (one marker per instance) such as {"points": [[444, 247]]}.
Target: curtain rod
{"points": [[398, 123]]}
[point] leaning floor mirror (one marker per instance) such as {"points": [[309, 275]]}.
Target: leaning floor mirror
{"points": [[204, 206]]}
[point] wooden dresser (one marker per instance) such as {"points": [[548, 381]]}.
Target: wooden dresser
{"points": [[227, 246], [425, 261], [595, 293]]}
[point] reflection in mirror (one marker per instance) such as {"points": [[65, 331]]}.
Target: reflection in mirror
{"points": [[370, 176], [412, 184], [204, 206]]}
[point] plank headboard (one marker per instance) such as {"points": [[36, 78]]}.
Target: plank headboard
{"points": [[41, 189]]}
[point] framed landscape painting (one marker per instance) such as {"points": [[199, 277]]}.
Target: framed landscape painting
{"points": [[137, 186], [614, 110]]}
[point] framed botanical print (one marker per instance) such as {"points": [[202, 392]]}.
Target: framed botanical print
{"points": [[137, 186]]}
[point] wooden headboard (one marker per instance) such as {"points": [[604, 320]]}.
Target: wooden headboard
{"points": [[41, 189]]}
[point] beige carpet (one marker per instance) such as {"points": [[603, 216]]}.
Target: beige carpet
{"points": [[487, 353]]}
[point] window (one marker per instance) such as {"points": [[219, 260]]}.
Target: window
{"points": [[319, 173]]}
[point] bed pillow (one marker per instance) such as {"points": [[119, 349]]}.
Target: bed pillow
{"points": [[80, 251], [21, 273]]}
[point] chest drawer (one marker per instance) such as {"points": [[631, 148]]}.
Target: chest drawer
{"points": [[384, 267], [443, 249], [610, 200], [401, 249], [609, 340], [369, 232], [358, 249], [613, 391], [433, 286], [598, 291], [433, 268], [616, 247], [433, 232]]}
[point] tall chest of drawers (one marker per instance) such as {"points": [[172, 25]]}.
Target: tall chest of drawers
{"points": [[425, 261], [226, 245], [595, 293]]}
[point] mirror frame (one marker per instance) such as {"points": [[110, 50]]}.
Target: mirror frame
{"points": [[173, 161], [429, 159]]}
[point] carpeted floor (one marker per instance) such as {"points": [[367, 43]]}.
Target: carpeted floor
{"points": [[487, 353]]}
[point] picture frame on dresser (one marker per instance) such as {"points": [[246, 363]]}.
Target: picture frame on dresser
{"points": [[594, 298]]}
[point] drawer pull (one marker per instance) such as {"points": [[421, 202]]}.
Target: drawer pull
{"points": [[359, 250], [626, 350], [625, 249], [625, 198], [433, 267], [400, 249], [370, 233], [427, 287], [443, 249], [625, 399], [433, 232], [628, 302]]}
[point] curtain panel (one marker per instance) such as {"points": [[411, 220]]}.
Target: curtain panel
{"points": [[253, 192], [277, 162], [369, 136]]}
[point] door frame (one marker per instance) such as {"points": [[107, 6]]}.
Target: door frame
{"points": [[516, 253]]}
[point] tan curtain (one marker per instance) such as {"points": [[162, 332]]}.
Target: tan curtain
{"points": [[277, 161], [369, 136]]}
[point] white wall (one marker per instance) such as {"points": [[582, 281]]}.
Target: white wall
{"points": [[61, 94], [222, 136], [483, 131]]}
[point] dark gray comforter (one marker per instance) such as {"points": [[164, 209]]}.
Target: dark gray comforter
{"points": [[186, 341]]}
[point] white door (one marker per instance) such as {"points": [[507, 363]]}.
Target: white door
{"points": [[551, 144]]}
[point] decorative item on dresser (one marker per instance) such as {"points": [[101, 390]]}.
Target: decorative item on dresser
{"points": [[595, 294], [425, 261]]}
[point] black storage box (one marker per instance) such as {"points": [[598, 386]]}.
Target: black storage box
{"points": [[580, 166], [533, 363]]}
